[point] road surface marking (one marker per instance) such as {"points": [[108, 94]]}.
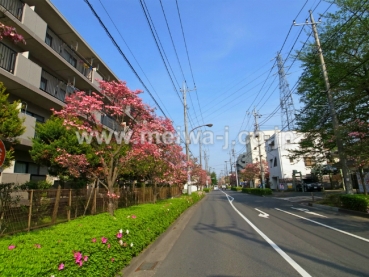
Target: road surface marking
{"points": [[338, 230], [262, 214], [295, 265], [307, 211]]}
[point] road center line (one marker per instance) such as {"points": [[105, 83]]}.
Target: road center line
{"points": [[295, 265], [327, 226]]}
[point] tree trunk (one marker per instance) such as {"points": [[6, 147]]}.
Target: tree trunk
{"points": [[363, 181], [111, 206], [154, 192]]}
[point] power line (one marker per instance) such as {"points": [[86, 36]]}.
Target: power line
{"points": [[123, 55], [121, 36]]}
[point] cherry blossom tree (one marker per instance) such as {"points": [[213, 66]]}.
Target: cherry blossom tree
{"points": [[88, 115], [155, 157]]}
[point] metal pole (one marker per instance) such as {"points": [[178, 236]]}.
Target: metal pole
{"points": [[340, 147], [186, 139], [257, 131]]}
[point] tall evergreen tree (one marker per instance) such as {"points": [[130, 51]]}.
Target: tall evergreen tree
{"points": [[11, 125]]}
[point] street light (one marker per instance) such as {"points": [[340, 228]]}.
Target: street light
{"points": [[188, 155]]}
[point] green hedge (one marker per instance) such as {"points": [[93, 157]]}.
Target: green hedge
{"points": [[206, 189], [355, 202], [256, 191], [236, 188], [61, 249]]}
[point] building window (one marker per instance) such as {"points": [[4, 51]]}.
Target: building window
{"points": [[43, 84], [271, 162], [70, 59], [49, 40], [256, 159], [288, 141], [291, 160], [275, 162], [309, 161], [26, 167], [39, 118], [20, 167]]}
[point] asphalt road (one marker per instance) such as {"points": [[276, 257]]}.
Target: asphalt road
{"points": [[235, 234]]}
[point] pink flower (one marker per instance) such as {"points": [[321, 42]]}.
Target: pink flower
{"points": [[93, 240], [104, 240], [133, 216], [61, 266], [78, 256], [38, 245], [119, 235], [85, 258], [11, 247], [109, 245], [80, 263], [112, 259]]}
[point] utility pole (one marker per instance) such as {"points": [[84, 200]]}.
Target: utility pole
{"points": [[226, 170], [235, 166], [200, 154], [257, 133], [187, 139], [340, 147]]}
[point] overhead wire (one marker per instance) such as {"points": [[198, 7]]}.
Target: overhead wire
{"points": [[129, 49], [123, 55]]}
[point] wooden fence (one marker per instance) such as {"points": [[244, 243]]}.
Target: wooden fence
{"points": [[27, 210]]}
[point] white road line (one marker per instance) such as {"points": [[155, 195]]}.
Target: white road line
{"points": [[308, 212], [296, 266], [327, 226], [262, 214]]}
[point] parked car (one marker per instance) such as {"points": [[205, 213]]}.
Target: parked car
{"points": [[216, 187], [224, 187], [309, 187]]}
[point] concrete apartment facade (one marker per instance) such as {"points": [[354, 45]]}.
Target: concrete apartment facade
{"points": [[54, 62], [280, 165]]}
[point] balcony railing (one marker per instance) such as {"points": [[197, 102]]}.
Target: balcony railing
{"points": [[55, 87], [15, 7], [71, 56], [7, 58]]}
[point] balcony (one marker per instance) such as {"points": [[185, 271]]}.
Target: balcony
{"points": [[55, 87], [15, 7], [7, 58], [71, 56]]}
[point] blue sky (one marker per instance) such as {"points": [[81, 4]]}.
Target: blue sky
{"points": [[231, 46]]}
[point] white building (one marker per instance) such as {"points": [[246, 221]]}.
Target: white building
{"points": [[253, 141], [54, 62], [280, 165]]}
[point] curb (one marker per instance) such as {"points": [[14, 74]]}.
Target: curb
{"points": [[177, 225], [341, 210]]}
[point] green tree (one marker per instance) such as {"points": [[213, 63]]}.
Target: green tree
{"points": [[214, 180], [11, 125], [51, 137], [345, 44]]}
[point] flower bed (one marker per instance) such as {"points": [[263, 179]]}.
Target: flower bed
{"points": [[99, 245]]}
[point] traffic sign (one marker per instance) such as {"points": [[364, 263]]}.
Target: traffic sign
{"points": [[2, 153]]}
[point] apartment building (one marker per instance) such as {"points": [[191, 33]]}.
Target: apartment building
{"points": [[281, 166], [254, 140], [54, 62]]}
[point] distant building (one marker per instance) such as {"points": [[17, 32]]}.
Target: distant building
{"points": [[280, 165], [55, 62]]}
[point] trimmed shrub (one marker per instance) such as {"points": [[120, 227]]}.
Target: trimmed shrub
{"points": [[206, 189], [355, 202], [256, 191], [236, 188], [97, 245]]}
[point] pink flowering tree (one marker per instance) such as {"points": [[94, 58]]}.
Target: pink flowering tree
{"points": [[155, 157], [106, 122], [11, 33]]}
